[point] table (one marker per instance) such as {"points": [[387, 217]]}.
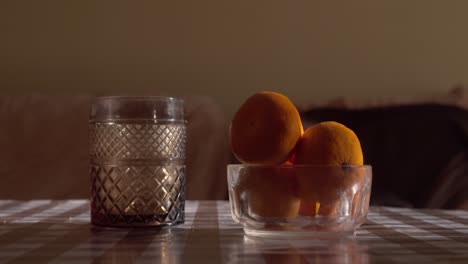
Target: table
{"points": [[51, 231]]}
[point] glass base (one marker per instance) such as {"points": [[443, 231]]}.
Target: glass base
{"points": [[136, 220]]}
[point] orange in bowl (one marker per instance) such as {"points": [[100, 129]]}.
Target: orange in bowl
{"points": [[268, 191], [265, 129], [333, 148]]}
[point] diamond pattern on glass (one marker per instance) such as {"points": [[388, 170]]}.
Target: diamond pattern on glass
{"points": [[137, 195], [137, 173], [137, 141]]}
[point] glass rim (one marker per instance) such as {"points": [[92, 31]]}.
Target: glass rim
{"points": [[138, 98], [296, 166], [127, 108]]}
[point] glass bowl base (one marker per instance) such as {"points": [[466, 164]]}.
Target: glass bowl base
{"points": [[298, 234]]}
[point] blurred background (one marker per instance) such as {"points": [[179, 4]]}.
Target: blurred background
{"points": [[357, 62], [309, 50]]}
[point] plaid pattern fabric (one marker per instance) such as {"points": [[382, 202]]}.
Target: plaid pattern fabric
{"points": [[44, 231]]}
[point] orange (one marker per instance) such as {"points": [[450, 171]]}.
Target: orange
{"points": [[315, 208], [268, 192], [329, 143], [265, 129], [332, 147]]}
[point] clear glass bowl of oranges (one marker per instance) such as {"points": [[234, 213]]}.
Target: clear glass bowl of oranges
{"points": [[294, 183], [299, 200]]}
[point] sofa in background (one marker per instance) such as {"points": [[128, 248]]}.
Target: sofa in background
{"points": [[418, 148]]}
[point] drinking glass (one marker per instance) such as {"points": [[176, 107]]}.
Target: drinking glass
{"points": [[137, 161]]}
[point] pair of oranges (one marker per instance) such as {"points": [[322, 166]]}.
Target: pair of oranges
{"points": [[267, 130]]}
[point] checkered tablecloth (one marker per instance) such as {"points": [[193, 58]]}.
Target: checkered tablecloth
{"points": [[44, 231]]}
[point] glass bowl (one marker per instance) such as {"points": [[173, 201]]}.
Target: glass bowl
{"points": [[299, 201]]}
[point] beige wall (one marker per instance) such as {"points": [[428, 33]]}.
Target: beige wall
{"points": [[310, 50]]}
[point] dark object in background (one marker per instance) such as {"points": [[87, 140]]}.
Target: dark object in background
{"points": [[418, 152]]}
